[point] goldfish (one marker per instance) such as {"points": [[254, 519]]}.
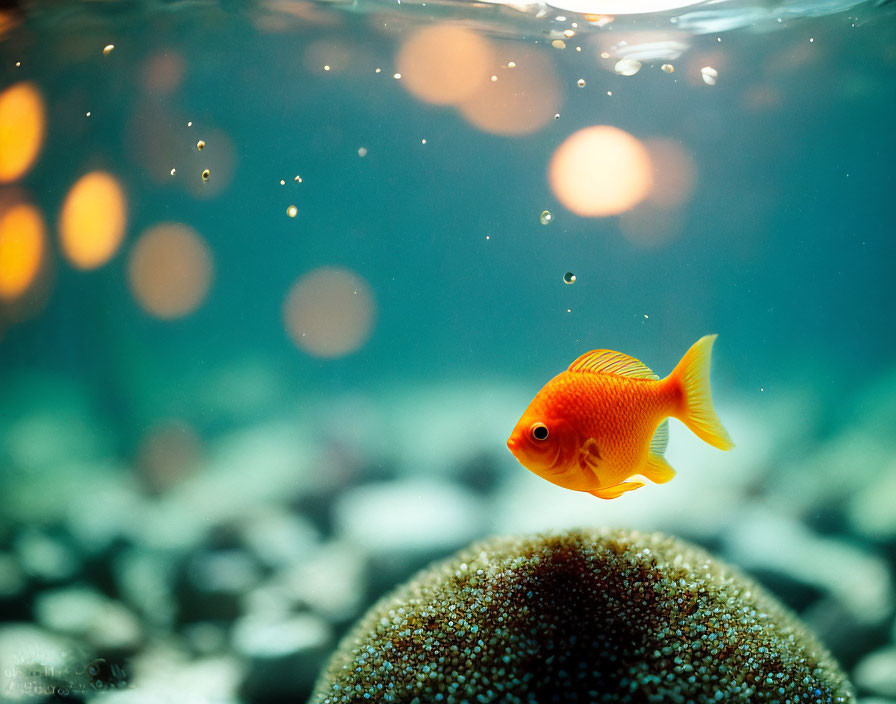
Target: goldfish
{"points": [[605, 420]]}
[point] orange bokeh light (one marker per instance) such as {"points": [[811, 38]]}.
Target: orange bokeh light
{"points": [[22, 126], [600, 171], [674, 173], [22, 244], [329, 312], [170, 270], [91, 225], [521, 100], [444, 64]]}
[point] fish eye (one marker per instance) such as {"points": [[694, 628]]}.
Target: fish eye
{"points": [[539, 432]]}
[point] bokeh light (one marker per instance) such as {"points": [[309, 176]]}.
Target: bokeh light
{"points": [[169, 453], [92, 222], [22, 126], [674, 173], [521, 100], [170, 270], [22, 245], [651, 227], [329, 312], [600, 171], [444, 64], [163, 72]]}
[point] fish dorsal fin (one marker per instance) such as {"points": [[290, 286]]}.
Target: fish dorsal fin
{"points": [[660, 439], [610, 362]]}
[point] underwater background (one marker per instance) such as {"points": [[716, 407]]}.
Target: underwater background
{"points": [[277, 279]]}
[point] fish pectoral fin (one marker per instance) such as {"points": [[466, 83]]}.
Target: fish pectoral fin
{"points": [[658, 470], [615, 490], [589, 454]]}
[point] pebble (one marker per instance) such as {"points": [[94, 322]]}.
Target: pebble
{"points": [[876, 672], [283, 655], [766, 539], [408, 516], [85, 613]]}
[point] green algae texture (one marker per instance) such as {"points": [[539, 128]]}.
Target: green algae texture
{"points": [[582, 616]]}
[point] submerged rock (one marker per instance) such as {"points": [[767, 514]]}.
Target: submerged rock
{"points": [[582, 616]]}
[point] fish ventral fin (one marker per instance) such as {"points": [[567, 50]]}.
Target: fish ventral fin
{"points": [[610, 362], [660, 440]]}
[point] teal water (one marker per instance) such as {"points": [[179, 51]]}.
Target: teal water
{"points": [[180, 444]]}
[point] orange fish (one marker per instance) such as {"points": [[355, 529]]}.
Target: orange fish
{"points": [[603, 420]]}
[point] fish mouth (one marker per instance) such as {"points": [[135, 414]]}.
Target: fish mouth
{"points": [[511, 443]]}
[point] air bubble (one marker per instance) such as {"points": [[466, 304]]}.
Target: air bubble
{"points": [[292, 211], [709, 75], [668, 68], [108, 49], [569, 278], [200, 145], [546, 218], [206, 174], [627, 67], [580, 83]]}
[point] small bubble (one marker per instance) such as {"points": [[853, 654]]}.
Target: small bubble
{"points": [[668, 68], [422, 141], [297, 179], [569, 34], [546, 218], [511, 64], [488, 237], [558, 44], [362, 152], [173, 171], [326, 67], [200, 145], [292, 211], [190, 123], [108, 49], [282, 182], [87, 114], [379, 70], [569, 278], [557, 116], [396, 76], [709, 75], [18, 64], [494, 78], [580, 83], [605, 54], [609, 92], [206, 174]]}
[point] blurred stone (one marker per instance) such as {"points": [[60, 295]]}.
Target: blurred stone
{"points": [[45, 557], [33, 663], [331, 582], [145, 580], [408, 516], [762, 538], [84, 613], [279, 538], [871, 512], [877, 672], [12, 578], [205, 637], [213, 583], [168, 675], [284, 654]]}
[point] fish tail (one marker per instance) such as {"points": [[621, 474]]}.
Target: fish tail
{"points": [[691, 376]]}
